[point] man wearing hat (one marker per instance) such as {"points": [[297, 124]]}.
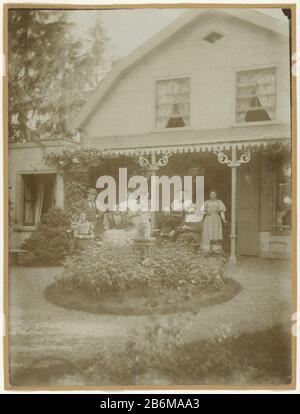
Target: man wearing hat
{"points": [[92, 214]]}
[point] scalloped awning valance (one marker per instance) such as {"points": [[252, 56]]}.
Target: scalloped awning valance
{"points": [[186, 148]]}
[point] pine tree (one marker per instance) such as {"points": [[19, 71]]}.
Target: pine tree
{"points": [[98, 57], [50, 72]]}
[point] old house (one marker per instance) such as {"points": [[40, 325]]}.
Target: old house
{"points": [[212, 89]]}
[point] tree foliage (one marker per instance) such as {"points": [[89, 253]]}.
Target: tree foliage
{"points": [[50, 72], [275, 150]]}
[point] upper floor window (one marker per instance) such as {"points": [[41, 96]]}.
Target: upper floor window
{"points": [[172, 103], [256, 95]]}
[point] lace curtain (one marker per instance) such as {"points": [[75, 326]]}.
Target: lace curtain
{"points": [[39, 200], [34, 191], [256, 90], [28, 202], [172, 101]]}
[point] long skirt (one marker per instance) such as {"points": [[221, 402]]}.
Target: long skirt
{"points": [[212, 230]]}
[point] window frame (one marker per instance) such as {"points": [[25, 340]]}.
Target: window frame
{"points": [[234, 95], [153, 100]]}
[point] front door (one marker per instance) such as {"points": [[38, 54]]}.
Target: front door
{"points": [[247, 208]]}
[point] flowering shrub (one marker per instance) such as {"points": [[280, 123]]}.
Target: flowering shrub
{"points": [[117, 268]]}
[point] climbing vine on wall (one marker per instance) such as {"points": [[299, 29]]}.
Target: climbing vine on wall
{"points": [[82, 167], [275, 150]]}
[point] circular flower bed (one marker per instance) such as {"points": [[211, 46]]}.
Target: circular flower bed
{"points": [[113, 279]]}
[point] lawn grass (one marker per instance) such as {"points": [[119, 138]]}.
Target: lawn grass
{"points": [[259, 358], [256, 358]]}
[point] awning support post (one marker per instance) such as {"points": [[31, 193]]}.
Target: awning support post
{"points": [[233, 164], [151, 166], [233, 209]]}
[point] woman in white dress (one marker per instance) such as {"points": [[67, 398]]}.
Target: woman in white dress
{"points": [[214, 215]]}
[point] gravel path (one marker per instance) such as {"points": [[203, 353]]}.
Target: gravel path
{"points": [[39, 328]]}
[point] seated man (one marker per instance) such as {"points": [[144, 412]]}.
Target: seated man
{"points": [[190, 229], [83, 233]]}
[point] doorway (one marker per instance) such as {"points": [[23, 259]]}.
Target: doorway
{"points": [[217, 177]]}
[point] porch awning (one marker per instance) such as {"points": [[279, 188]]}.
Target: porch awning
{"points": [[171, 141]]}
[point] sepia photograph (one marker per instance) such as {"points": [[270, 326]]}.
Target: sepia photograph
{"points": [[151, 167]]}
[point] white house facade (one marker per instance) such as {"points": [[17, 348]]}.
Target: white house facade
{"points": [[213, 85]]}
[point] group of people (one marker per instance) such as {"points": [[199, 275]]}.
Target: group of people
{"points": [[92, 222], [206, 223]]}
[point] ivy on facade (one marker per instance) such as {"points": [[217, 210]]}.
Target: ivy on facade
{"points": [[81, 168], [275, 150]]}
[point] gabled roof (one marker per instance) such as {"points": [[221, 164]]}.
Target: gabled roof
{"points": [[125, 64]]}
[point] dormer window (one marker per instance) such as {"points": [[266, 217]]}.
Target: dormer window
{"points": [[213, 37], [173, 103], [256, 95]]}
